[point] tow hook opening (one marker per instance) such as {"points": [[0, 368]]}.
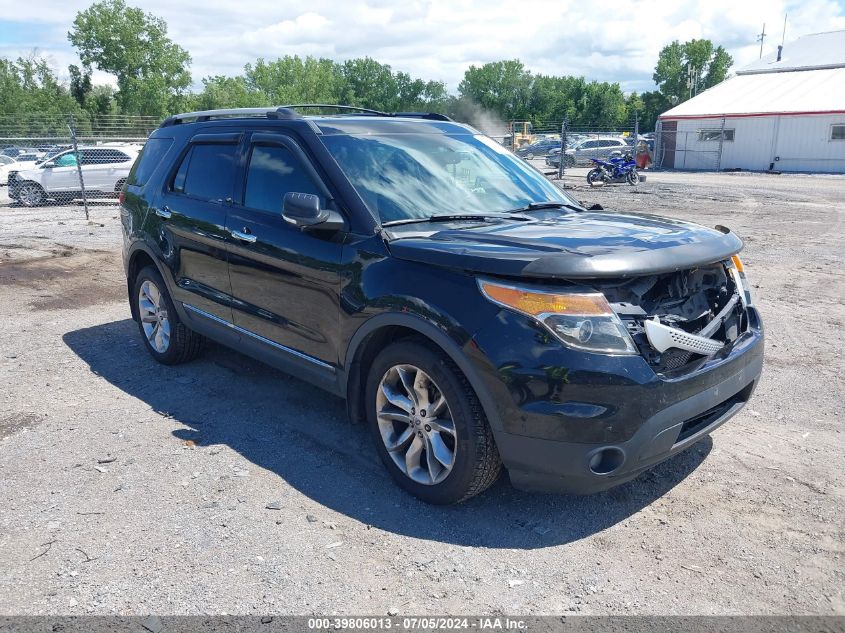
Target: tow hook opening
{"points": [[606, 460]]}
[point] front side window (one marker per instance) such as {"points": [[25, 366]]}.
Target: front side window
{"points": [[66, 160], [715, 135], [273, 172], [409, 176], [837, 132], [207, 171]]}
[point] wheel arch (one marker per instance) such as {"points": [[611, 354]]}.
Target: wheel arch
{"points": [[139, 258], [384, 329]]}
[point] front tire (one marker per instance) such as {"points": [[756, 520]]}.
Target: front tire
{"points": [[31, 194], [166, 338], [428, 425], [633, 177]]}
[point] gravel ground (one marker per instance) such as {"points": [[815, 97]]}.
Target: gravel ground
{"points": [[223, 486]]}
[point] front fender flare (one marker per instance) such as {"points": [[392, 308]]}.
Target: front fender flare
{"points": [[350, 382]]}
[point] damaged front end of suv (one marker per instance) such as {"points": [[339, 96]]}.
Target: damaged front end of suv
{"points": [[678, 320]]}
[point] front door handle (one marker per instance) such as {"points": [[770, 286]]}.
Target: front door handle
{"points": [[244, 236], [164, 212]]}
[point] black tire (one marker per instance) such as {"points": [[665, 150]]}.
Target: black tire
{"points": [[569, 161], [184, 344], [593, 176], [633, 177], [477, 464], [31, 194]]}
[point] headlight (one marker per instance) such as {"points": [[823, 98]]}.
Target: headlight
{"points": [[737, 271], [579, 320]]}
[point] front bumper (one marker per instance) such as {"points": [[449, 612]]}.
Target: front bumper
{"points": [[592, 422]]}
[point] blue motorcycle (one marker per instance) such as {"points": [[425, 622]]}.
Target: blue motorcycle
{"points": [[619, 169]]}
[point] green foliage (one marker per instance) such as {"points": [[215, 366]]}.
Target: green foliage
{"points": [[33, 101], [672, 72], [151, 70], [511, 92]]}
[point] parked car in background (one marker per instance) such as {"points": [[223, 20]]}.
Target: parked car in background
{"points": [[104, 170], [6, 163], [595, 147], [538, 148]]}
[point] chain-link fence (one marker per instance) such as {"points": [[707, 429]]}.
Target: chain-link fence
{"points": [[65, 159]]}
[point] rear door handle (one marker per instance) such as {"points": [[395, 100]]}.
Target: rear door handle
{"points": [[164, 212], [244, 236]]}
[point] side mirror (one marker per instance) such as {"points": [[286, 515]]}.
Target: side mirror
{"points": [[303, 210]]}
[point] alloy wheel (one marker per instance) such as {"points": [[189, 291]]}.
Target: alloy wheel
{"points": [[30, 195], [153, 314], [415, 424]]}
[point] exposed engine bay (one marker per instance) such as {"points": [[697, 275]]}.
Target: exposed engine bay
{"points": [[687, 301]]}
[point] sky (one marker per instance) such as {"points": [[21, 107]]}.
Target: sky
{"points": [[618, 40]]}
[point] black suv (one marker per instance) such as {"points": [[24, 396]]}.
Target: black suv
{"points": [[470, 311]]}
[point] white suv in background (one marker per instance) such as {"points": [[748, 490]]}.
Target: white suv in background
{"points": [[104, 171]]}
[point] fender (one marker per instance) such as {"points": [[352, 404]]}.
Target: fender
{"points": [[348, 379], [141, 246]]}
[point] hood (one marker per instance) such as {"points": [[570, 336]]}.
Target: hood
{"points": [[581, 245]]}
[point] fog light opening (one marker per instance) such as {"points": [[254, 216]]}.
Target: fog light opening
{"points": [[606, 460]]}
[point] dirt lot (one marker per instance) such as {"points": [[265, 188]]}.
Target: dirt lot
{"points": [[128, 487]]}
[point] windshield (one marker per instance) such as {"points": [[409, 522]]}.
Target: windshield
{"points": [[404, 176]]}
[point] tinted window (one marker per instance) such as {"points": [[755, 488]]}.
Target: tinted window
{"points": [[207, 171], [837, 133], [148, 160], [273, 172]]}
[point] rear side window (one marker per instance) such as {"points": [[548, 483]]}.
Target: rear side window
{"points": [[273, 172], [207, 171], [148, 160]]}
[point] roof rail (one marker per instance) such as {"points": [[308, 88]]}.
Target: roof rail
{"points": [[337, 107], [287, 112], [431, 116], [274, 112]]}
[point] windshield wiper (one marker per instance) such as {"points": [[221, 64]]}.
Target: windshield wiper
{"points": [[534, 206], [460, 217]]}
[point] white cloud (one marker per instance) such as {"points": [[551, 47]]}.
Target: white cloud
{"points": [[438, 39]]}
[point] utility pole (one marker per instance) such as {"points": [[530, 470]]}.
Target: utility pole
{"points": [[762, 37], [783, 37]]}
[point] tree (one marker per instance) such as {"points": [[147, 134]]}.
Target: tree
{"points": [[80, 83], [697, 60], [369, 84], [503, 87], [293, 79], [655, 103], [151, 70]]}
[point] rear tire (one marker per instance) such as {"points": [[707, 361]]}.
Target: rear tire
{"points": [[594, 176], [166, 338], [411, 384]]}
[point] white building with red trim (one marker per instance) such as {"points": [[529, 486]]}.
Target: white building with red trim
{"points": [[785, 112]]}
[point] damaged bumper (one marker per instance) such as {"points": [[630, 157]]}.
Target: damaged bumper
{"points": [[582, 423]]}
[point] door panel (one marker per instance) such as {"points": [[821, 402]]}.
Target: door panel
{"points": [[285, 282], [193, 235]]}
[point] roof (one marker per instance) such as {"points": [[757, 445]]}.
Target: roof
{"points": [[807, 92], [810, 52], [809, 79]]}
